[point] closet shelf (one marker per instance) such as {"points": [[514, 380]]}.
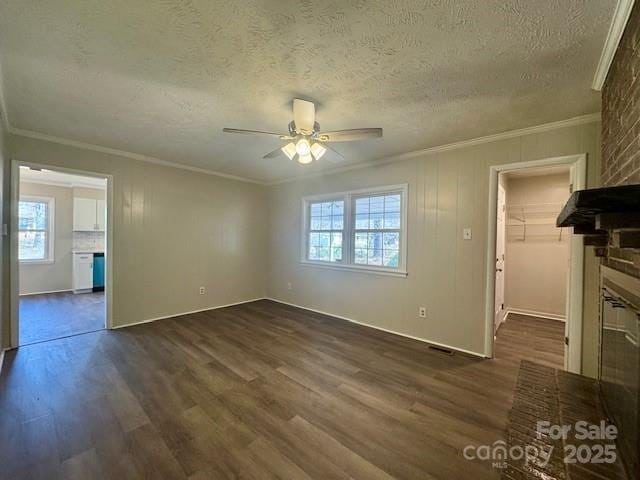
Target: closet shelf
{"points": [[527, 220]]}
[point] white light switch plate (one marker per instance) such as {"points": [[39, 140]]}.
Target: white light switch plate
{"points": [[466, 234]]}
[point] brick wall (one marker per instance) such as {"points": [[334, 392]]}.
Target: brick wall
{"points": [[621, 110], [621, 125]]}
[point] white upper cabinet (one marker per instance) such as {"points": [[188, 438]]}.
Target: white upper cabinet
{"points": [[88, 214], [101, 213]]}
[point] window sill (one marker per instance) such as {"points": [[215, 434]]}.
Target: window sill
{"points": [[36, 262], [355, 268]]}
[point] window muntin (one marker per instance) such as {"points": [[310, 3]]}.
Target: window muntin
{"points": [[369, 227], [35, 230], [325, 233], [377, 230]]}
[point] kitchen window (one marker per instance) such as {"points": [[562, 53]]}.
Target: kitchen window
{"points": [[35, 229], [357, 230]]}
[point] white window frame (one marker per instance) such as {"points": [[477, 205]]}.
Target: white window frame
{"points": [[51, 209], [348, 232]]}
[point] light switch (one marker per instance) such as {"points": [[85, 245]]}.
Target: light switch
{"points": [[466, 234]]}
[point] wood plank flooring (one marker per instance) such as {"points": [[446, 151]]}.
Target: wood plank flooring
{"points": [[55, 315], [539, 340], [260, 390]]}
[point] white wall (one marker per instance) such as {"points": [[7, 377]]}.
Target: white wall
{"points": [[447, 192], [174, 231], [242, 240], [50, 277], [536, 269]]}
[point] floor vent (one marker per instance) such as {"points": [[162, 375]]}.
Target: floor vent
{"points": [[441, 349]]}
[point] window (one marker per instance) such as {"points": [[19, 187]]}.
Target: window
{"points": [[361, 230], [326, 225], [35, 236], [377, 230]]}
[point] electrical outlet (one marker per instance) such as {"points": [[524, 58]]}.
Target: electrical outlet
{"points": [[289, 286], [466, 234], [422, 312], [202, 290]]}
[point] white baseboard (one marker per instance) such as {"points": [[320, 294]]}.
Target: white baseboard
{"points": [[149, 320], [533, 313], [429, 342], [43, 293]]}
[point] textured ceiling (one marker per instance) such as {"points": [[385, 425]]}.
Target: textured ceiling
{"points": [[161, 78]]}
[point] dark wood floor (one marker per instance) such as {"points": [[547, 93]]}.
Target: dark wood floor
{"points": [[55, 315], [539, 340], [260, 390]]}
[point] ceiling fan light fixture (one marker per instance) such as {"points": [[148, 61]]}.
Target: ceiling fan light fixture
{"points": [[303, 147], [305, 159], [289, 150], [318, 151]]}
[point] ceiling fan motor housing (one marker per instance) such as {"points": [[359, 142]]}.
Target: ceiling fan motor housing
{"points": [[294, 130]]}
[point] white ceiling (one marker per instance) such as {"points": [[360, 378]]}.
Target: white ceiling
{"points": [[162, 78]]}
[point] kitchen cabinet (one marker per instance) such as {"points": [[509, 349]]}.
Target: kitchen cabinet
{"points": [[88, 215], [101, 215], [82, 272]]}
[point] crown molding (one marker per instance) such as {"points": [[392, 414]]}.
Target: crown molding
{"points": [[580, 120], [570, 122], [616, 29], [123, 153]]}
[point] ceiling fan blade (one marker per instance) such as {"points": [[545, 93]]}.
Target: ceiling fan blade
{"points": [[350, 135], [333, 156], [282, 136], [304, 115], [277, 152]]}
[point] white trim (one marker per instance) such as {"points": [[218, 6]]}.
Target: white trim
{"points": [[3, 104], [14, 280], [2, 352], [356, 268], [123, 153], [348, 231], [545, 127], [533, 313], [614, 35], [54, 183], [428, 342], [173, 315], [573, 328], [44, 293]]}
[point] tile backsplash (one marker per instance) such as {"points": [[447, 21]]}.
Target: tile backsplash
{"points": [[88, 240]]}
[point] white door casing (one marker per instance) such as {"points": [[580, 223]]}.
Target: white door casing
{"points": [[500, 248], [578, 164]]}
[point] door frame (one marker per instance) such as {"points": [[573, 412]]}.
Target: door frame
{"points": [[503, 234], [573, 354], [14, 266]]}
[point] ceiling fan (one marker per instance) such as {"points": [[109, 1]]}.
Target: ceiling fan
{"points": [[305, 140]]}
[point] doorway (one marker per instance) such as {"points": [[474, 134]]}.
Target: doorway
{"points": [[532, 265], [59, 253], [534, 269]]}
